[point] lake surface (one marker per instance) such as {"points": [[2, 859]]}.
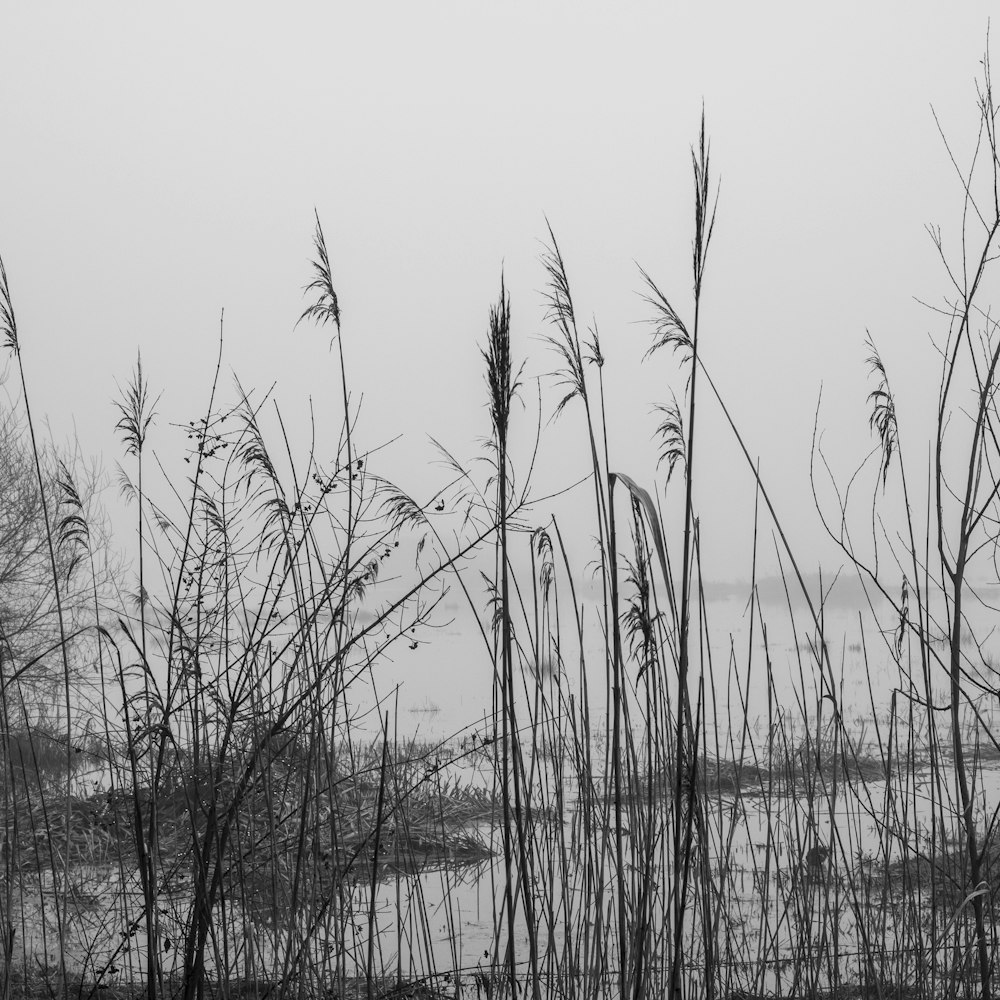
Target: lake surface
{"points": [[443, 917]]}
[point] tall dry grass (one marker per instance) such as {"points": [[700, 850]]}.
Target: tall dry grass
{"points": [[212, 816]]}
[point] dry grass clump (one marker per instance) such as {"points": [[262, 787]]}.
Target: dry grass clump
{"points": [[880, 991], [943, 874], [829, 760], [789, 768], [41, 984]]}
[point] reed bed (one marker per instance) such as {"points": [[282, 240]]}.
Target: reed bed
{"points": [[205, 793]]}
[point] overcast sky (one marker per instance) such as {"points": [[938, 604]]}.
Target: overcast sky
{"points": [[162, 162]]}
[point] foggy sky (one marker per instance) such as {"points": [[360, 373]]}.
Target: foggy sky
{"points": [[161, 164]]}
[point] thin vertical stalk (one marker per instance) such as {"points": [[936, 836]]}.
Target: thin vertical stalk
{"points": [[11, 340]]}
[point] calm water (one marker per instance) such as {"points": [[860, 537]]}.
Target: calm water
{"points": [[444, 918]]}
